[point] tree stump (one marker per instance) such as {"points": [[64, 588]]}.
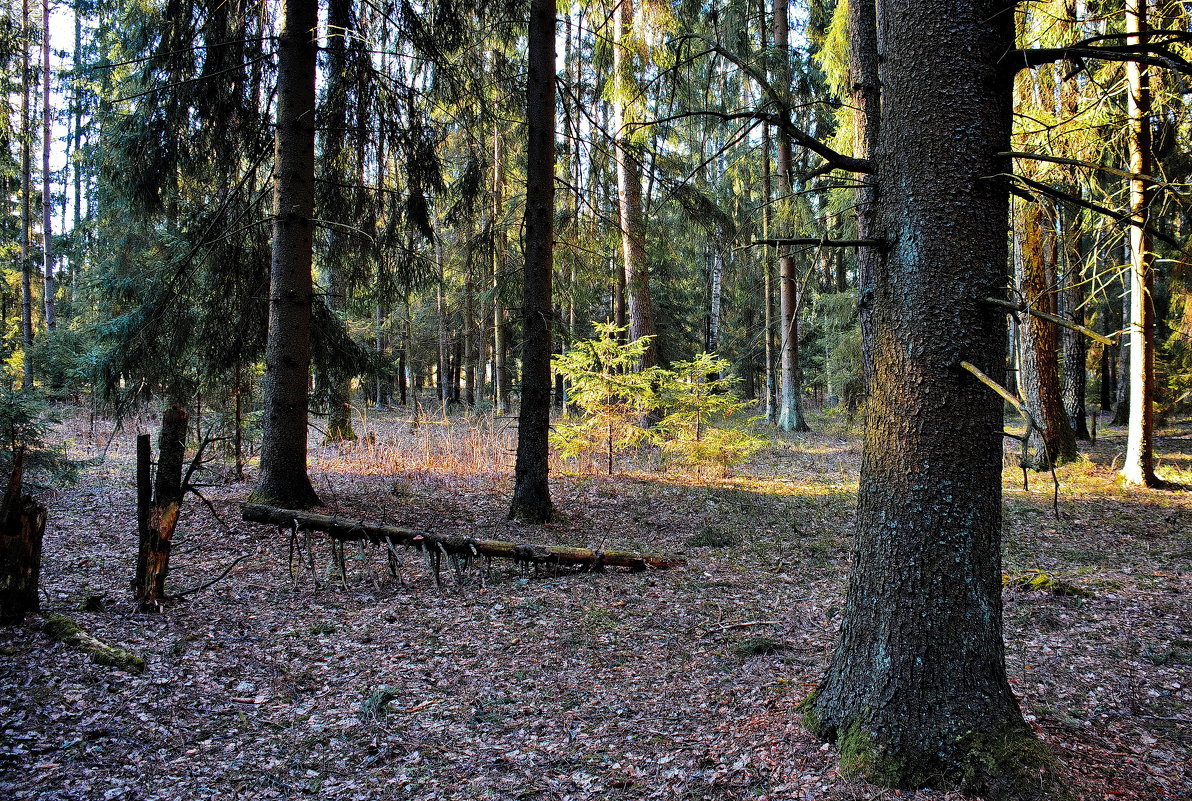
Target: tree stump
{"points": [[22, 524], [157, 507]]}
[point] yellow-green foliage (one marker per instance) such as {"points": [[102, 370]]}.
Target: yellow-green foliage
{"points": [[697, 427], [614, 396]]}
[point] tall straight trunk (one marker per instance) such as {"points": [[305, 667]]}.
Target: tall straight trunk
{"points": [[1073, 293], [866, 100], [1139, 467], [47, 194], [76, 172], [443, 373], [629, 193], [1121, 390], [26, 200], [790, 408], [1053, 443], [917, 693], [1074, 374], [379, 347], [531, 490], [468, 334], [337, 385], [500, 260], [283, 480], [767, 279], [717, 270]]}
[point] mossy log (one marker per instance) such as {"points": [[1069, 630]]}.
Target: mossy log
{"points": [[340, 528], [63, 629]]}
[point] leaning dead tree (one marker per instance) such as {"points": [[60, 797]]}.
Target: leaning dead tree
{"points": [[436, 546], [22, 524], [158, 503]]}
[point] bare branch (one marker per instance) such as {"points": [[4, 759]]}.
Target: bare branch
{"points": [[828, 243], [1042, 315], [1155, 54], [1075, 200]]}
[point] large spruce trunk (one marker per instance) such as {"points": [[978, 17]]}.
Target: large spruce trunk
{"points": [[283, 479], [916, 692], [531, 491], [22, 525]]}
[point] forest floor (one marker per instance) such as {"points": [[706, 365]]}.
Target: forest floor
{"points": [[676, 684]]}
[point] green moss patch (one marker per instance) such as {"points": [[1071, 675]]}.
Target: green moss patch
{"points": [[65, 630]]}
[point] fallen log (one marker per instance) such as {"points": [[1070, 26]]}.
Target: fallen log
{"points": [[63, 629], [343, 529]]}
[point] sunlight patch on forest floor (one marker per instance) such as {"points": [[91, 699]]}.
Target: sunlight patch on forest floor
{"points": [[535, 684]]}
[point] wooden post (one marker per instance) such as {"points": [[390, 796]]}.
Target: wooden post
{"points": [[158, 518], [22, 524]]}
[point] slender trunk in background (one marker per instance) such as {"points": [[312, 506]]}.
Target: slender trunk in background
{"points": [[629, 191], [717, 268], [531, 490], [336, 206], [444, 371], [379, 346], [1121, 391], [1139, 467], [1073, 294], [47, 194], [1074, 375], [283, 479], [26, 200], [790, 410], [468, 334], [866, 100], [500, 260], [767, 279], [1038, 378]]}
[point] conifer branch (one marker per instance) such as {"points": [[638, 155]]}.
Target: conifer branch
{"points": [[1119, 216], [1155, 54]]}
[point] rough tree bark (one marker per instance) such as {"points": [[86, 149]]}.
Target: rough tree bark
{"points": [[531, 491], [1074, 375], [916, 692], [866, 97], [157, 507], [1053, 443], [283, 479], [22, 524]]}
